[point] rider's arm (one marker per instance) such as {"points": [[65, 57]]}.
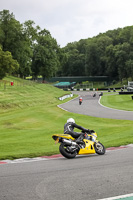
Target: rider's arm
{"points": [[80, 127]]}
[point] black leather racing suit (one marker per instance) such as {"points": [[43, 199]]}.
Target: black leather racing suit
{"points": [[69, 129]]}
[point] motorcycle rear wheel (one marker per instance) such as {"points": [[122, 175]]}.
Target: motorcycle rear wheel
{"points": [[65, 153], [99, 148], [80, 102]]}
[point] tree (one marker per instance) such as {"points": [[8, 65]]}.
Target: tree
{"points": [[7, 64], [122, 55], [129, 68], [45, 55], [22, 40], [31, 31], [14, 39], [92, 59], [11, 32], [74, 64], [111, 65]]}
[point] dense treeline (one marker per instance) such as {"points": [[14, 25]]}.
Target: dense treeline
{"points": [[109, 54], [34, 51], [25, 49]]}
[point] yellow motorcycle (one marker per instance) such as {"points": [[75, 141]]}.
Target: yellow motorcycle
{"points": [[69, 148]]}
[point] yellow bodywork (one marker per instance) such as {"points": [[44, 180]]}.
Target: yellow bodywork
{"points": [[89, 148], [67, 136], [89, 145]]}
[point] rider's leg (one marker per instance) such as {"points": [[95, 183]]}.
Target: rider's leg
{"points": [[79, 140]]}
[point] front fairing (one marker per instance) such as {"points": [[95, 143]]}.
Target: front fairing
{"points": [[89, 148]]}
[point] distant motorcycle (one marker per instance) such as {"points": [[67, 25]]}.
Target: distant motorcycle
{"points": [[69, 148], [80, 100]]}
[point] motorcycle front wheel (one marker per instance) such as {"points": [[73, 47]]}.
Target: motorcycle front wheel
{"points": [[99, 148], [64, 150]]}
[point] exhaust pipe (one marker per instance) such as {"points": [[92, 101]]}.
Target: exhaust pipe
{"points": [[68, 142]]}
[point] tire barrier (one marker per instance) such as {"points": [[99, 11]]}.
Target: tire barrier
{"points": [[66, 96], [81, 89]]}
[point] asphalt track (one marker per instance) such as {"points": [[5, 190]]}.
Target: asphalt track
{"points": [[92, 107], [90, 177]]}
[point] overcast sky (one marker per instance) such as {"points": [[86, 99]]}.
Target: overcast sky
{"points": [[72, 20]]}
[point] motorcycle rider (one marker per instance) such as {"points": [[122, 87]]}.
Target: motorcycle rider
{"points": [[69, 129], [80, 100]]}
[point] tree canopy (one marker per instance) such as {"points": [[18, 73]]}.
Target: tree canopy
{"points": [[7, 63], [34, 49], [36, 52], [109, 54]]}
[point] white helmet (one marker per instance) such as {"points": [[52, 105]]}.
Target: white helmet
{"points": [[71, 120]]}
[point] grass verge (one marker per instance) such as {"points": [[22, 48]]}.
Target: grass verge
{"points": [[29, 116], [121, 102]]}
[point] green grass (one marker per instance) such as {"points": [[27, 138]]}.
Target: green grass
{"points": [[29, 116], [121, 102]]}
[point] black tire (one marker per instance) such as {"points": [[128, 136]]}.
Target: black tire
{"points": [[65, 153], [99, 148]]}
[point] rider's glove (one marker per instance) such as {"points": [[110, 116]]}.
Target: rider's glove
{"points": [[88, 131]]}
